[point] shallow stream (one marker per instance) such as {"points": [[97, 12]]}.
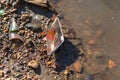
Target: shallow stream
{"points": [[89, 16]]}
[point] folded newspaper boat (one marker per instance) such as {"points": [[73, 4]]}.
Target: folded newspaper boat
{"points": [[54, 37]]}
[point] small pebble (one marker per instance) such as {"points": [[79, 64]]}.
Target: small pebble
{"points": [[33, 64], [78, 66], [1, 73], [66, 72], [1, 12]]}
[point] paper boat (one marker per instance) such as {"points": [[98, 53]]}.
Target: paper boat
{"points": [[54, 37]]}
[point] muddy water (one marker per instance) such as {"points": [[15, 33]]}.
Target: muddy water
{"points": [[89, 16]]}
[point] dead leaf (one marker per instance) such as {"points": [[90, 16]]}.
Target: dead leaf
{"points": [[37, 1]]}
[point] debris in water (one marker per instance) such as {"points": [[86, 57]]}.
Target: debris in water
{"points": [[13, 36], [13, 26], [42, 3]]}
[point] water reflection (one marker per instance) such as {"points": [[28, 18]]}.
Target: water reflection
{"points": [[113, 4]]}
